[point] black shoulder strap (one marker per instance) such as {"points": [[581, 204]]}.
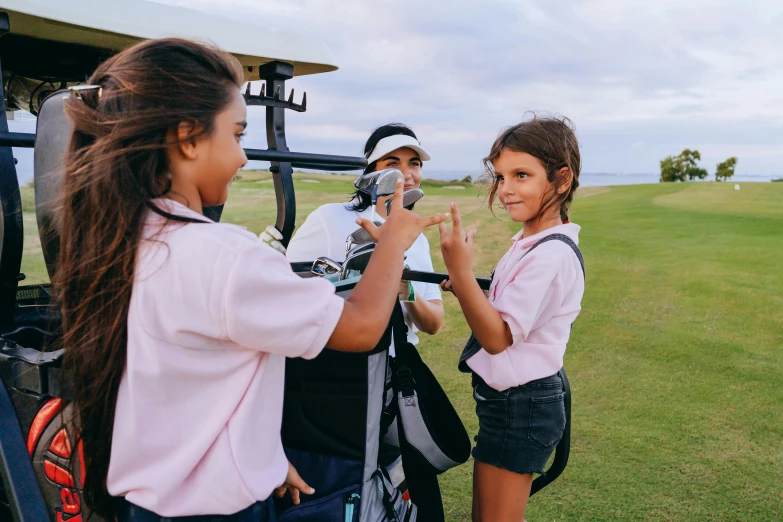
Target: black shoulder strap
{"points": [[559, 237], [565, 239], [422, 482], [402, 379]]}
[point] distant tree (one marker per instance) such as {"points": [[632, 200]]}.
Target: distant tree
{"points": [[725, 170], [467, 179], [669, 171], [682, 167]]}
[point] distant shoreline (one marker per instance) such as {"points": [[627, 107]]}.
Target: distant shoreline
{"points": [[586, 179]]}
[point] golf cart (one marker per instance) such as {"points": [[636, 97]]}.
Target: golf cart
{"points": [[47, 46]]}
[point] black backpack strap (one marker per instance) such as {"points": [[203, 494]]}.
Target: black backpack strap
{"points": [[565, 239], [399, 334], [472, 347], [421, 481]]}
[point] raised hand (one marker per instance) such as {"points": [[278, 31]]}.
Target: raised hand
{"points": [[456, 246], [402, 225]]}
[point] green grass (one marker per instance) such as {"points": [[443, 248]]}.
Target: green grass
{"points": [[676, 362]]}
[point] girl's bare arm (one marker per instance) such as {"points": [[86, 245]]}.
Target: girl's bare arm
{"points": [[488, 326]]}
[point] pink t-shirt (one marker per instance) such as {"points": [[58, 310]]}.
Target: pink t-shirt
{"points": [[538, 297], [214, 313]]}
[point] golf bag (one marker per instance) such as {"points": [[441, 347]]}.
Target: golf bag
{"points": [[332, 432]]}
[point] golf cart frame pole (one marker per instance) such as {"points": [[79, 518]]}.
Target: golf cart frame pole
{"points": [[11, 202], [302, 160], [275, 74], [16, 469]]}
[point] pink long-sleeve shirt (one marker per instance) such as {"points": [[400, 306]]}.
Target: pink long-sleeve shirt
{"points": [[214, 313], [539, 297]]}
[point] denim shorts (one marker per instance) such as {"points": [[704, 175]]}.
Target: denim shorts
{"points": [[519, 427], [258, 512]]}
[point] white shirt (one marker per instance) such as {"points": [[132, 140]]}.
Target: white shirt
{"points": [[214, 312], [324, 233], [539, 297]]}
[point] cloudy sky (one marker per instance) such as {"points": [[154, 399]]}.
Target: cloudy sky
{"points": [[640, 79]]}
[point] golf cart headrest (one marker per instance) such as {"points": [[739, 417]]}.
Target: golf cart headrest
{"points": [[52, 135]]}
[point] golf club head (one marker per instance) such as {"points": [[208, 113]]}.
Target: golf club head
{"points": [[387, 182], [324, 266], [358, 249], [408, 198], [359, 237], [367, 181], [357, 259]]}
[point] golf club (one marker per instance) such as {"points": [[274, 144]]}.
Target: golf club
{"points": [[359, 237], [385, 185], [408, 198], [325, 266], [357, 259]]}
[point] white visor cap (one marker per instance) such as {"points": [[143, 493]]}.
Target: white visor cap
{"points": [[392, 143]]}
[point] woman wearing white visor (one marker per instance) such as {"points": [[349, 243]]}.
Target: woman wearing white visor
{"points": [[324, 232]]}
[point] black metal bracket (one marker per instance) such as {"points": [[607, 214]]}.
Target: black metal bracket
{"points": [[275, 100], [275, 74], [11, 205], [31, 371]]}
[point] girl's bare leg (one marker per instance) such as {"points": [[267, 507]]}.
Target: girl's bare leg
{"points": [[476, 511], [499, 495]]}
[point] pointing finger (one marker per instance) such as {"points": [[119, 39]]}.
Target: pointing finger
{"points": [[470, 236], [399, 188], [432, 220], [456, 219], [370, 227]]}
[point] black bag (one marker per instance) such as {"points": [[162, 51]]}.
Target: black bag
{"points": [[426, 417], [432, 438]]}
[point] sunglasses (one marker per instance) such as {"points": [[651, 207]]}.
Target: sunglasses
{"points": [[76, 90]]}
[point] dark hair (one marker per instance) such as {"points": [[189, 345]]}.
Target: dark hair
{"points": [[360, 201], [117, 163], [552, 140]]}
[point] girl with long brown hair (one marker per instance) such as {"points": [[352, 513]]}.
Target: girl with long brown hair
{"points": [[521, 329], [176, 328]]}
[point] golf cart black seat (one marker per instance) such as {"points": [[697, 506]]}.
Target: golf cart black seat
{"points": [[30, 360]]}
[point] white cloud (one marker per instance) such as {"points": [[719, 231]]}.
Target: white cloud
{"points": [[641, 79]]}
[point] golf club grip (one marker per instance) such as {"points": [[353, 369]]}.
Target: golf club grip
{"points": [[436, 278]]}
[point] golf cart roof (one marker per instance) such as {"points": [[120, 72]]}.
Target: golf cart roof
{"points": [[112, 25]]}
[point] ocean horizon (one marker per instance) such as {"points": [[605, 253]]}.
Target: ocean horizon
{"points": [[599, 179], [24, 170]]}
